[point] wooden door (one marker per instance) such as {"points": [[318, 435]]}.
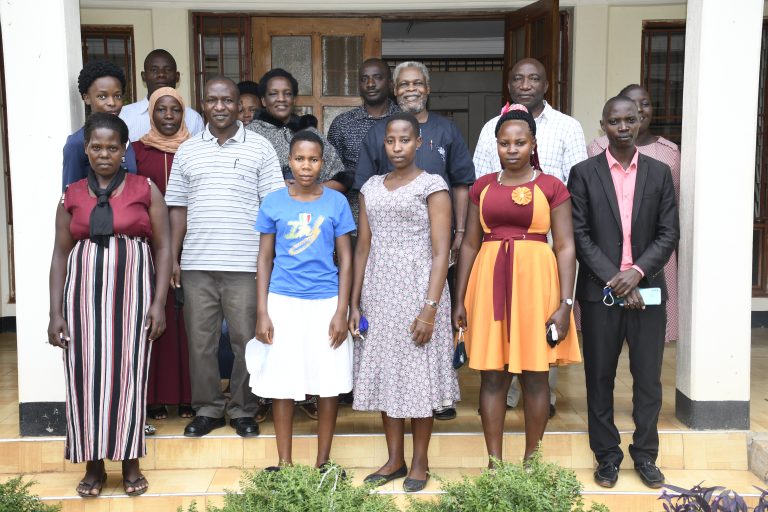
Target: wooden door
{"points": [[534, 31], [324, 54]]}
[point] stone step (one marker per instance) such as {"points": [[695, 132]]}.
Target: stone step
{"points": [[170, 489], [691, 450]]}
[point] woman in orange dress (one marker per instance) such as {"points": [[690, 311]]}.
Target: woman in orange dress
{"points": [[511, 286]]}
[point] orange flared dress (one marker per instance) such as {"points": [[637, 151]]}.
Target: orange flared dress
{"points": [[514, 286]]}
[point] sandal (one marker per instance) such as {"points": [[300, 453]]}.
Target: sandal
{"points": [[149, 430], [186, 411], [310, 409], [157, 412], [262, 411], [90, 487], [135, 484]]}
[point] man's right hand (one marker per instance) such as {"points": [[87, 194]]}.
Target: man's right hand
{"points": [[176, 275]]}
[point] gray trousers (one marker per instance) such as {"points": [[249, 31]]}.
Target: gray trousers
{"points": [[210, 296], [513, 395]]}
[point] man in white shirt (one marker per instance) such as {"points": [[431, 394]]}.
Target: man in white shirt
{"points": [[159, 71], [218, 180], [560, 144]]}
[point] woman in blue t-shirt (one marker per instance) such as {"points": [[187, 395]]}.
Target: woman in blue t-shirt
{"points": [[303, 299]]}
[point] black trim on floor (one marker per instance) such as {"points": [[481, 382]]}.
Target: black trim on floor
{"points": [[8, 324], [42, 419], [713, 414], [759, 319]]}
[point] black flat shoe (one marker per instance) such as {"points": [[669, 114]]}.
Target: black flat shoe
{"points": [[203, 425], [272, 469], [245, 426], [448, 413], [413, 485], [650, 474], [606, 474], [378, 479], [327, 466]]}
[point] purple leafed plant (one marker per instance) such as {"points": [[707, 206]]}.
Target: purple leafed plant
{"points": [[709, 499]]}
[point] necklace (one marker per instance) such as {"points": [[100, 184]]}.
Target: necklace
{"points": [[498, 177]]}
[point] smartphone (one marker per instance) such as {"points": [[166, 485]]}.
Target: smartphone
{"points": [[552, 336], [651, 297]]}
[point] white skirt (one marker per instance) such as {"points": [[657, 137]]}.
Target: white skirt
{"points": [[300, 361]]}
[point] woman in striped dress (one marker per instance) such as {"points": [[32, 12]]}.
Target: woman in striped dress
{"points": [[107, 301]]}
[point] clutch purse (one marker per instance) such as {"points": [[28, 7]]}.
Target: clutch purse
{"points": [[459, 351]]}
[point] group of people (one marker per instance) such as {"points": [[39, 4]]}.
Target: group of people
{"points": [[352, 265]]}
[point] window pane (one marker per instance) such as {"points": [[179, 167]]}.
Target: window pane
{"points": [[342, 56], [294, 54], [518, 44], [330, 113], [95, 48], [538, 39], [301, 110], [231, 58]]}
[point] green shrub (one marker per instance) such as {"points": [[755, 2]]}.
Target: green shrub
{"points": [[301, 489], [536, 486], [15, 497]]}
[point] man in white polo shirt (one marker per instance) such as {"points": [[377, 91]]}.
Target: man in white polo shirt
{"points": [[159, 71], [559, 142], [217, 183]]}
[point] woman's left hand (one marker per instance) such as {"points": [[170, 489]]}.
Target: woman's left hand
{"points": [[562, 320], [338, 330], [423, 325], [155, 321]]}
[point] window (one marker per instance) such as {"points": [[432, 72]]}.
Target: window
{"points": [[115, 44], [663, 61], [222, 47]]}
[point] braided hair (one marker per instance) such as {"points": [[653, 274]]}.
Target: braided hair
{"points": [[96, 69], [520, 113]]}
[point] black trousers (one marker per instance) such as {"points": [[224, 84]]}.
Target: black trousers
{"points": [[604, 330]]}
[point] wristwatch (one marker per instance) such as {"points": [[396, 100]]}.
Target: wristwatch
{"points": [[431, 303], [569, 302]]}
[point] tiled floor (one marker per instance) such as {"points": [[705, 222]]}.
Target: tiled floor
{"points": [[571, 403]]}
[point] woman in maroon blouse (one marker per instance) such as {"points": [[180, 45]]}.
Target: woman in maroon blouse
{"points": [[169, 382], [107, 297]]}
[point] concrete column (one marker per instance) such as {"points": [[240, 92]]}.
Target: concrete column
{"points": [[722, 46], [588, 92], [38, 46], [171, 31]]}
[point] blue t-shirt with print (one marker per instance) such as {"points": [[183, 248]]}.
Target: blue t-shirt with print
{"points": [[305, 235]]}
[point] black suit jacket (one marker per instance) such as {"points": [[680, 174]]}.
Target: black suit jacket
{"points": [[598, 234]]}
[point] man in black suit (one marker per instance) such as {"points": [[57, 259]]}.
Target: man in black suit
{"points": [[625, 227]]}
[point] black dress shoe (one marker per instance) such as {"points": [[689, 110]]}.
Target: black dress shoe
{"points": [[552, 411], [245, 426], [448, 413], [203, 425], [413, 485], [650, 474], [378, 479], [606, 474], [327, 466]]}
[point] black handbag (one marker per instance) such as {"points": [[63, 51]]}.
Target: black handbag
{"points": [[459, 351]]}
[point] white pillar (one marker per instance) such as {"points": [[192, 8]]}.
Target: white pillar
{"points": [[722, 60], [42, 56]]}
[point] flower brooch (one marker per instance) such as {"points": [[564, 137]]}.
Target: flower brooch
{"points": [[522, 196]]}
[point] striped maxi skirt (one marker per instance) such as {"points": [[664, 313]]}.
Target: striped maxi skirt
{"points": [[107, 294]]}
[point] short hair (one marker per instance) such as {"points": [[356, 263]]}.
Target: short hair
{"points": [[376, 60], [516, 115], [103, 120], [617, 99], [248, 87], [96, 69], [407, 117], [159, 52], [277, 73], [222, 78], [411, 64], [630, 87], [308, 136]]}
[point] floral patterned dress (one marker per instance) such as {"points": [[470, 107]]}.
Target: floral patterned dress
{"points": [[392, 374]]}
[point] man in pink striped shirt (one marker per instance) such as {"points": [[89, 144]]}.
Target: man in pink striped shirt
{"points": [[625, 226]]}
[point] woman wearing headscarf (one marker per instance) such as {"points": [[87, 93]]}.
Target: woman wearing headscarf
{"points": [[107, 305], [169, 382]]}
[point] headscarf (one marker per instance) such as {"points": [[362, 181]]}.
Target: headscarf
{"points": [[156, 139], [101, 220], [518, 112]]}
